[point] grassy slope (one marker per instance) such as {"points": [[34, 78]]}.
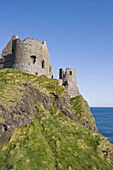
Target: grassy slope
{"points": [[11, 82], [51, 141], [82, 112]]}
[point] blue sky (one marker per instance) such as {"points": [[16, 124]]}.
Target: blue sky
{"points": [[79, 34]]}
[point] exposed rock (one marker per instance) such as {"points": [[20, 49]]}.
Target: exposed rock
{"points": [[82, 112], [39, 129], [111, 158], [1, 107], [25, 110], [64, 106]]}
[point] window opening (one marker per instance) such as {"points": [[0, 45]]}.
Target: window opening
{"points": [[70, 72], [60, 73], [43, 64], [33, 59], [65, 83], [12, 50]]}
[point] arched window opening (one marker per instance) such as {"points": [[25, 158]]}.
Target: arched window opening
{"points": [[43, 64], [70, 72], [33, 59], [65, 83]]}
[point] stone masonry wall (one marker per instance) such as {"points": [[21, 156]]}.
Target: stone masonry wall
{"points": [[8, 49], [68, 79], [45, 56], [29, 55], [32, 56], [23, 52]]}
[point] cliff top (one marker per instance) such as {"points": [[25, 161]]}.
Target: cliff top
{"points": [[41, 128]]}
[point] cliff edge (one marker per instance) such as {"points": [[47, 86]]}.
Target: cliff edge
{"points": [[41, 128]]}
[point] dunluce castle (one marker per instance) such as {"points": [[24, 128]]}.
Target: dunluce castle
{"points": [[32, 56]]}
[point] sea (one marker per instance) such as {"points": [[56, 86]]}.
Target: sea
{"points": [[104, 121]]}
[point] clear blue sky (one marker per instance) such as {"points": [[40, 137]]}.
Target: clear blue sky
{"points": [[79, 34]]}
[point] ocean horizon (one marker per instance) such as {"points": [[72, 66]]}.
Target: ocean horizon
{"points": [[104, 121]]}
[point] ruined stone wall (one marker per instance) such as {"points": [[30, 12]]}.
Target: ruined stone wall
{"points": [[1, 64], [6, 61], [29, 55], [68, 79], [48, 70], [32, 56], [8, 49]]}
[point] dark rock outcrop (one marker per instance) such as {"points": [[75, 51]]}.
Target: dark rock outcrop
{"points": [[24, 111]]}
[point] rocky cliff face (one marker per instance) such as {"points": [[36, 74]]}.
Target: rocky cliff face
{"points": [[82, 112], [41, 128], [23, 111]]}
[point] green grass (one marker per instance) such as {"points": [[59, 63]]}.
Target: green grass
{"points": [[82, 112], [52, 140], [12, 83]]}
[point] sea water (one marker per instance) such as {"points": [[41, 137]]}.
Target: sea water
{"points": [[104, 121]]}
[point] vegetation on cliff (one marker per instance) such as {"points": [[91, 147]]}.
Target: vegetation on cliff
{"points": [[82, 112], [42, 130]]}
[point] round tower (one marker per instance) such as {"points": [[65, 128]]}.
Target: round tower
{"points": [[30, 55]]}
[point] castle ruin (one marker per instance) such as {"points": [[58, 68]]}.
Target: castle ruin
{"points": [[29, 55], [68, 79], [32, 56]]}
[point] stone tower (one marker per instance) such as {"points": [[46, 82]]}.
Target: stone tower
{"points": [[28, 55], [68, 79]]}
